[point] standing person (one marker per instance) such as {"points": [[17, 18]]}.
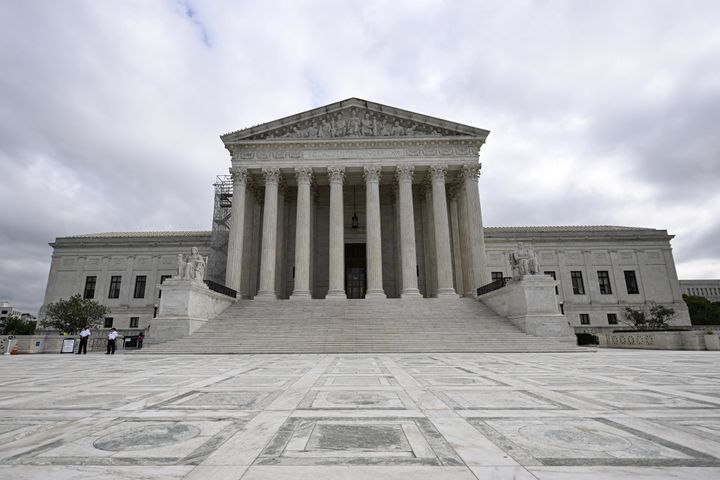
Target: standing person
{"points": [[140, 340], [112, 336], [84, 337]]}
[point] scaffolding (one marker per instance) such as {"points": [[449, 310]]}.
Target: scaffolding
{"points": [[220, 228]]}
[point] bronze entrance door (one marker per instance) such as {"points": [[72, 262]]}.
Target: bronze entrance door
{"points": [[355, 270]]}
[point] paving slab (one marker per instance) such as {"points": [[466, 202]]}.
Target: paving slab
{"points": [[543, 416]]}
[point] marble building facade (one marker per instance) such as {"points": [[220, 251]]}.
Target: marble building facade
{"points": [[361, 200]]}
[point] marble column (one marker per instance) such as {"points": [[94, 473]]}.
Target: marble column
{"points": [[233, 271], [396, 234], [443, 257], [269, 235], [469, 175], [336, 277], [407, 233], [465, 241], [374, 246], [455, 234], [302, 234], [428, 234], [280, 241]]}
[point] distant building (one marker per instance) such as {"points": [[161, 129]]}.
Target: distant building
{"points": [[8, 310], [709, 289]]}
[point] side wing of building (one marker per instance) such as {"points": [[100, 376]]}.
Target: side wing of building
{"points": [[119, 270], [600, 269]]}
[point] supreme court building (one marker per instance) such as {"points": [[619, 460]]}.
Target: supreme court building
{"points": [[358, 200], [352, 200]]}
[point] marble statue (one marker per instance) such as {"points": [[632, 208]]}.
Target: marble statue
{"points": [[192, 267], [523, 262]]}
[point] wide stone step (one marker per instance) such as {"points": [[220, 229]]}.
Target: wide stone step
{"points": [[359, 326]]}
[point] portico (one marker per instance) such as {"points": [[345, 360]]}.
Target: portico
{"points": [[355, 200]]}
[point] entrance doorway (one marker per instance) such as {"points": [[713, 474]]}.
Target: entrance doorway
{"points": [[355, 270]]}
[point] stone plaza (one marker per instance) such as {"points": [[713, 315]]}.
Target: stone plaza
{"points": [[523, 416]]}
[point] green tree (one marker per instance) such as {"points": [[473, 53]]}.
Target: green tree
{"points": [[702, 311], [652, 316], [14, 325], [74, 314]]}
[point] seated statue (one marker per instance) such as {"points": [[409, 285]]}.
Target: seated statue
{"points": [[523, 262], [192, 267]]}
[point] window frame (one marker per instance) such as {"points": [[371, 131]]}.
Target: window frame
{"points": [[612, 316], [134, 322], [139, 290], [115, 284], [604, 284], [87, 289], [108, 322], [578, 285], [630, 275], [584, 319]]}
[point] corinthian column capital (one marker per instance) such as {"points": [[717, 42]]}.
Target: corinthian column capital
{"points": [[470, 171], [438, 172], [239, 175], [371, 173], [404, 173], [303, 175], [272, 175], [336, 174]]}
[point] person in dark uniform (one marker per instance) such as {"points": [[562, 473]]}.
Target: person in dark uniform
{"points": [[111, 338], [84, 336]]}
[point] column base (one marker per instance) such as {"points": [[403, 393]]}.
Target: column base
{"points": [[336, 295], [447, 293], [301, 295], [266, 295], [410, 293], [374, 294]]}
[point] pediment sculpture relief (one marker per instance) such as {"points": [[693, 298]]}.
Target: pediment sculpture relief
{"points": [[356, 122]]}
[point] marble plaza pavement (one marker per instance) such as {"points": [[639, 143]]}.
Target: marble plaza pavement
{"points": [[601, 415]]}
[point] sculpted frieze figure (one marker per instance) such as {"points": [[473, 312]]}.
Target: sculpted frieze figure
{"points": [[354, 123], [523, 261]]}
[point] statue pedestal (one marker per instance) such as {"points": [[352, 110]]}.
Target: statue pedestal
{"points": [[185, 306], [531, 304]]}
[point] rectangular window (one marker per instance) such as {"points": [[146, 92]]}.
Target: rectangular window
{"points": [[162, 280], [631, 282], [604, 282], [114, 286], [140, 286], [584, 319], [108, 322], [497, 276], [90, 282], [612, 319], [577, 282], [134, 321], [552, 275]]}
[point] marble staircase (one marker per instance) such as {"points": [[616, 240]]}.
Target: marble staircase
{"points": [[358, 326]]}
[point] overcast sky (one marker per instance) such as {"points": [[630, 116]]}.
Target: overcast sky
{"points": [[600, 112]]}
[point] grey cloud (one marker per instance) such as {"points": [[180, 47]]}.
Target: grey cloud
{"points": [[110, 112]]}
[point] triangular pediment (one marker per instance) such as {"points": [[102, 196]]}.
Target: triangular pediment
{"points": [[353, 118]]}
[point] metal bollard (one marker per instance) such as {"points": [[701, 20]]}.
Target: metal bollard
{"points": [[11, 341]]}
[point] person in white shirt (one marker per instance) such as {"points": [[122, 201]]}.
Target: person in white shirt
{"points": [[84, 336], [112, 336]]}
